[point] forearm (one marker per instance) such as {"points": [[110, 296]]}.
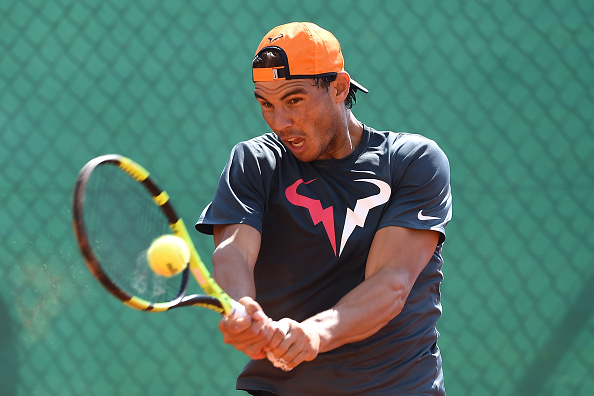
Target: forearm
{"points": [[236, 251], [362, 312], [390, 273], [231, 274]]}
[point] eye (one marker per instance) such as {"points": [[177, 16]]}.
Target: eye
{"points": [[294, 101]]}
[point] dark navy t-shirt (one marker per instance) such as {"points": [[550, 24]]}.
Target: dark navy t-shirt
{"points": [[317, 221]]}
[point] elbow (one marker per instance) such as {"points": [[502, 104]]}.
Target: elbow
{"points": [[397, 290], [398, 300]]}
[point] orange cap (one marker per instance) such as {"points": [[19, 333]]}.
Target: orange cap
{"points": [[308, 51]]}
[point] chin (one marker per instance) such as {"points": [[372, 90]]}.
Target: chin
{"points": [[303, 157]]}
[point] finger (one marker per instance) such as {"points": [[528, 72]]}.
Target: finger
{"points": [[255, 345], [297, 348], [232, 325], [252, 307], [278, 362], [277, 335], [281, 331], [258, 356], [274, 334], [289, 360], [281, 364], [254, 340], [278, 332]]}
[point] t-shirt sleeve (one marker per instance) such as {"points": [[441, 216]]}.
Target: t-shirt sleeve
{"points": [[421, 194], [240, 196]]}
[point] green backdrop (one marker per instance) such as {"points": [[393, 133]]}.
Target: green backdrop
{"points": [[505, 87]]}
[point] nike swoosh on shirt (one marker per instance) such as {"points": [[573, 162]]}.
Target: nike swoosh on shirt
{"points": [[422, 217]]}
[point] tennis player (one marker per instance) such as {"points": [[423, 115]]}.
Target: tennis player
{"points": [[333, 228]]}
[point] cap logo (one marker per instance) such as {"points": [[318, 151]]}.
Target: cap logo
{"points": [[275, 38]]}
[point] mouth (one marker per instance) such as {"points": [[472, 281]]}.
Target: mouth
{"points": [[295, 142]]}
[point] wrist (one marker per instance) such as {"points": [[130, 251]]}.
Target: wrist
{"points": [[322, 329]]}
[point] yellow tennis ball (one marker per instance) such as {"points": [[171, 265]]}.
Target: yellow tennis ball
{"points": [[168, 255]]}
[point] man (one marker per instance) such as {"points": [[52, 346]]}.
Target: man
{"points": [[334, 230]]}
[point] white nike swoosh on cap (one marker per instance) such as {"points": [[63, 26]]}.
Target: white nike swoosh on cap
{"points": [[422, 217]]}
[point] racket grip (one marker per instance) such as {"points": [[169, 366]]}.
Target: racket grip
{"points": [[237, 310]]}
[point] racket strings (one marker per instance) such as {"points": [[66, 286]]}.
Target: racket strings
{"points": [[122, 221]]}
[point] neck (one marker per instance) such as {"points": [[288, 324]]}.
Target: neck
{"points": [[355, 130]]}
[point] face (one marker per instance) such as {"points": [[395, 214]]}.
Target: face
{"points": [[309, 120]]}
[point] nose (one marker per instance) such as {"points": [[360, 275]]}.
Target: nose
{"points": [[281, 120]]}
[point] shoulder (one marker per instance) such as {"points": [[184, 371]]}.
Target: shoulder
{"points": [[261, 145], [405, 147], [266, 148], [400, 140], [420, 148]]}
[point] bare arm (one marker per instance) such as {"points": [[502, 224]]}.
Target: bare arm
{"points": [[396, 258], [234, 258], [236, 250]]}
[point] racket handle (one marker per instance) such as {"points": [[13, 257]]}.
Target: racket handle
{"points": [[237, 310]]}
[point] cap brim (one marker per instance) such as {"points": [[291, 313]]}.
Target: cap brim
{"points": [[359, 86]]}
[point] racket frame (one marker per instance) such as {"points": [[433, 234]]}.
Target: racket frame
{"points": [[215, 299]]}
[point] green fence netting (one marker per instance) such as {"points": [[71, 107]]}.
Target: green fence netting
{"points": [[505, 87]]}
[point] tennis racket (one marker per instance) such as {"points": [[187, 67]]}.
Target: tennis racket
{"points": [[118, 210]]}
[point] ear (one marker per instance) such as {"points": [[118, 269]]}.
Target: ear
{"points": [[342, 85]]}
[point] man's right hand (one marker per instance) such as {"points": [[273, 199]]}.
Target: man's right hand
{"points": [[253, 333]]}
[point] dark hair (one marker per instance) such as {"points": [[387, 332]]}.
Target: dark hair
{"points": [[272, 57]]}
